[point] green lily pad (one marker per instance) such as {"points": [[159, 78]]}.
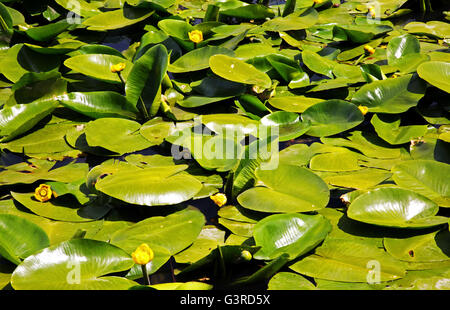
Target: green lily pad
{"points": [[150, 187], [20, 238], [433, 28], [20, 59], [395, 207], [78, 264], [361, 179], [190, 286], [47, 32], [68, 210], [289, 281], [49, 140], [289, 124], [294, 21], [35, 170], [349, 261], [293, 103], [249, 11], [293, 234], [287, 189], [367, 143], [117, 19], [20, 118], [99, 66], [337, 161], [99, 104], [388, 128], [426, 177], [436, 73], [238, 71], [241, 125], [392, 95], [156, 130], [331, 117], [318, 64], [86, 9], [198, 59], [422, 248], [123, 135], [401, 49], [162, 231]]}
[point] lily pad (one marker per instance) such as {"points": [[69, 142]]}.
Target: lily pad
{"points": [[331, 117], [426, 177], [388, 128], [288, 124], [422, 248], [99, 104], [395, 207], [289, 281], [238, 71], [123, 135], [349, 261], [392, 95], [287, 189], [67, 210], [198, 59], [162, 231], [20, 238], [436, 73], [293, 103], [294, 234], [117, 19], [78, 264], [99, 66], [151, 186]]}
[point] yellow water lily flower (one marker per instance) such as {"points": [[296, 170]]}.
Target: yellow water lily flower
{"points": [[219, 199], [143, 254], [318, 1], [369, 49], [363, 109], [196, 36], [372, 12], [118, 68], [43, 193]]}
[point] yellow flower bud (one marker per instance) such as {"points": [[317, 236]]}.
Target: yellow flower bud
{"points": [[318, 1], [363, 109], [43, 193], [118, 68], [246, 255], [369, 49], [372, 11], [219, 199], [143, 254], [196, 36]]}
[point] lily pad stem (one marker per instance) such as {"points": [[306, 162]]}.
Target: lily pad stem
{"points": [[172, 270], [145, 273], [359, 59]]}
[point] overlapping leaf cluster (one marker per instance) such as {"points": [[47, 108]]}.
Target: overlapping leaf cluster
{"points": [[357, 198]]}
